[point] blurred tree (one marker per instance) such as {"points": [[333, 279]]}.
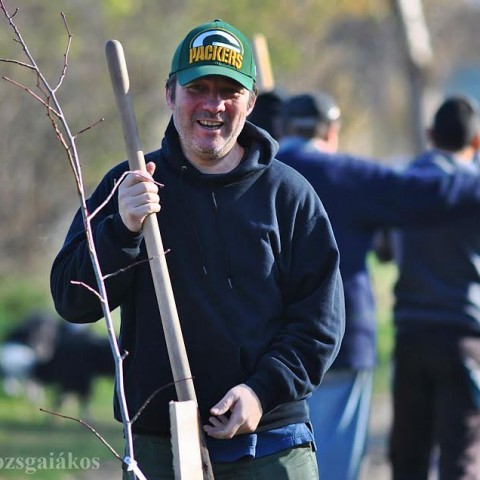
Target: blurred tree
{"points": [[414, 36]]}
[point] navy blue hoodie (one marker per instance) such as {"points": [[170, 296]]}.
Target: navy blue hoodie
{"points": [[439, 266], [255, 274], [360, 197]]}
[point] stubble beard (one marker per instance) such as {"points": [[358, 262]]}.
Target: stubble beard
{"points": [[213, 151]]}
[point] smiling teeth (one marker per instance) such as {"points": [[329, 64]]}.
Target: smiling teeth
{"points": [[209, 123]]}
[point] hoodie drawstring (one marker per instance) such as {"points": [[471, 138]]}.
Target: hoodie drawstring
{"points": [[196, 234], [226, 257]]}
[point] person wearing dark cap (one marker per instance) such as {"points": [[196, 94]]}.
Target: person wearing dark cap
{"points": [[262, 322], [436, 382], [312, 122], [268, 113], [360, 196]]}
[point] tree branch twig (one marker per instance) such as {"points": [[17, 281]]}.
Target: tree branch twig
{"points": [[86, 425]]}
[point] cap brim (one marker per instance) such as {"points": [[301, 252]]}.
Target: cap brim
{"points": [[190, 74]]}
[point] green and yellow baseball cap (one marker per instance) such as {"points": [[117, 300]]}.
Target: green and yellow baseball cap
{"points": [[215, 48]]}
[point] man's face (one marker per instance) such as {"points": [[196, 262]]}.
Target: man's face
{"points": [[209, 114]]}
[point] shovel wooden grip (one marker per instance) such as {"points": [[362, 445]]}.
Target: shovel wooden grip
{"points": [[153, 240]]}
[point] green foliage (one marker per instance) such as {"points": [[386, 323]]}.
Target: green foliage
{"points": [[383, 276], [19, 296], [120, 8]]}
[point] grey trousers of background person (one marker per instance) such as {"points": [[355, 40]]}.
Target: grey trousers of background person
{"points": [[154, 457]]}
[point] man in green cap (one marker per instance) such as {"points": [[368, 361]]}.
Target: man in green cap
{"points": [[262, 321]]}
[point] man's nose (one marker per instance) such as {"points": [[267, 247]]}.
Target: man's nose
{"points": [[214, 101]]}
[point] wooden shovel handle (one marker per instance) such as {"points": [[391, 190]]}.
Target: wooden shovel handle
{"points": [[153, 240]]}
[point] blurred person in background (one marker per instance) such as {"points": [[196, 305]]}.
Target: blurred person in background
{"points": [[268, 113], [436, 382], [360, 196]]}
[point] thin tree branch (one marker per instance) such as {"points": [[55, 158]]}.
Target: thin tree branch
{"points": [[86, 425], [121, 270], [65, 55], [117, 184], [89, 288], [102, 205], [17, 62], [18, 38], [44, 88], [153, 395], [14, 13], [32, 93], [89, 127]]}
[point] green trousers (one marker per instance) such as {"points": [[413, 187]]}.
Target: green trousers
{"points": [[154, 457]]}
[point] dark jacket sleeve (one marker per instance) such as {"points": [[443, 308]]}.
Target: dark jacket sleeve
{"points": [[115, 247], [314, 317], [372, 195]]}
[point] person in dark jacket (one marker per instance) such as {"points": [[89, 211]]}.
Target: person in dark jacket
{"points": [[360, 196], [261, 319], [436, 383]]}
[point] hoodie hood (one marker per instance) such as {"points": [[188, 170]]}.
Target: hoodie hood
{"points": [[260, 150]]}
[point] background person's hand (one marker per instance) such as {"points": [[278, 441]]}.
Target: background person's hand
{"points": [[239, 411], [138, 197]]}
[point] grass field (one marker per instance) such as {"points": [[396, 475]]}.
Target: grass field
{"points": [[47, 447], [50, 448], [383, 278]]}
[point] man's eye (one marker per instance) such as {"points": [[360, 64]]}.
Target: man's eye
{"points": [[194, 88], [230, 92]]}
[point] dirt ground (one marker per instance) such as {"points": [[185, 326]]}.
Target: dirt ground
{"points": [[376, 465]]}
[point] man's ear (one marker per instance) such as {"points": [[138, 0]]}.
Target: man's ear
{"points": [[333, 131], [170, 97], [251, 104]]}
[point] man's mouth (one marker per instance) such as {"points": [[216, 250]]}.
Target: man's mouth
{"points": [[210, 124]]}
